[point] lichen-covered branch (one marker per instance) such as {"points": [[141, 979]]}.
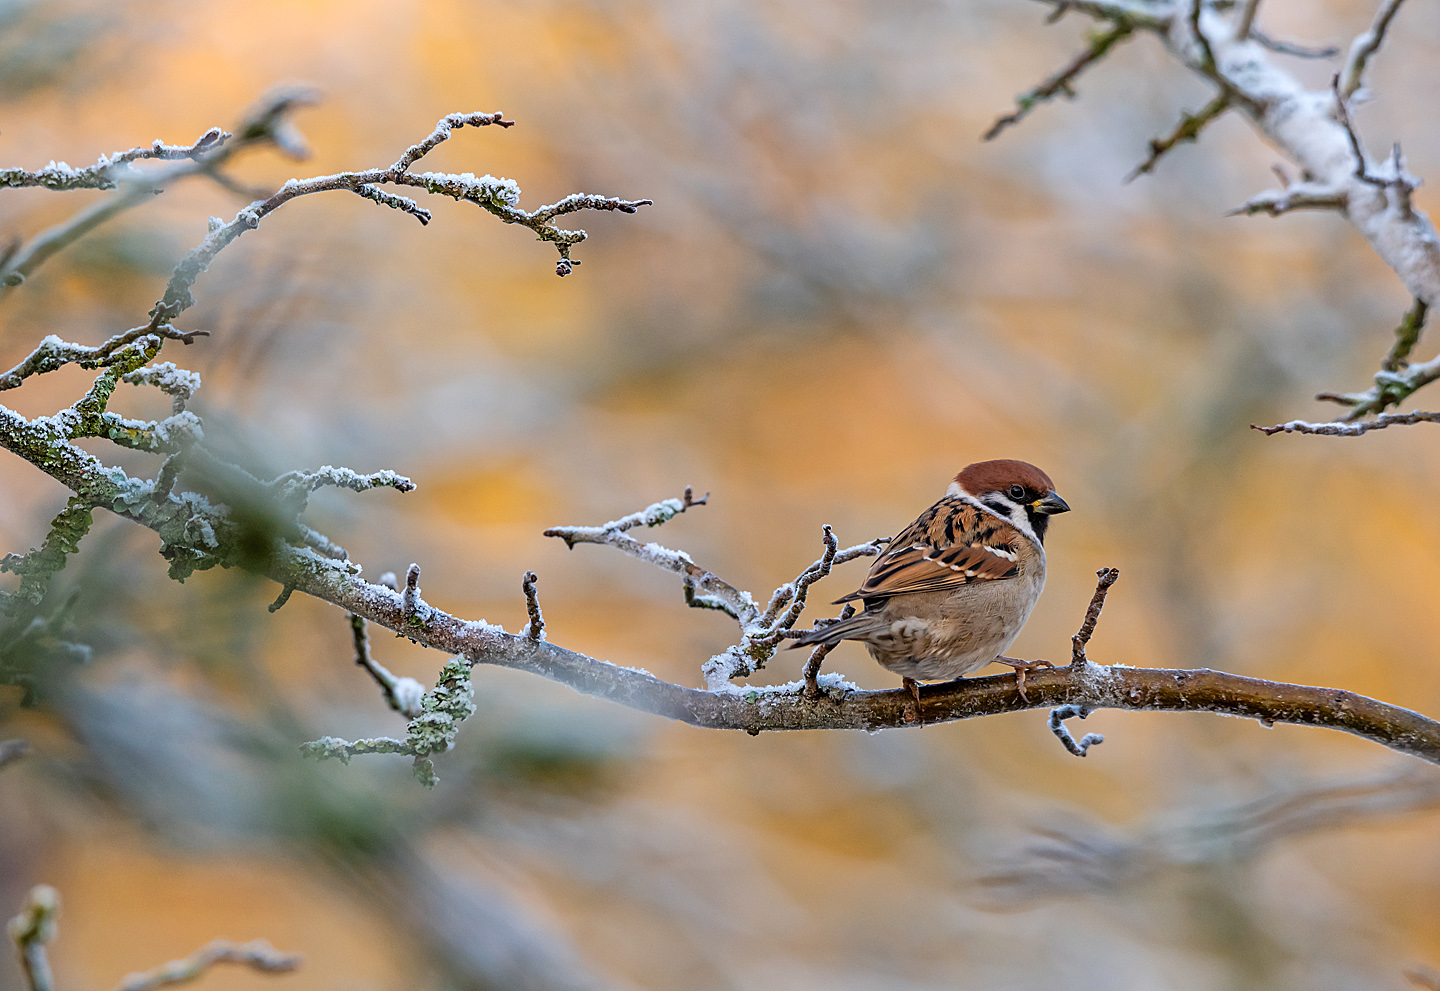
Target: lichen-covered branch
{"points": [[431, 730], [1397, 379]]}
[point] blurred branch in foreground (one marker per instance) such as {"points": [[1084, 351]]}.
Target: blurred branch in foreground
{"points": [[1219, 41], [1080, 860], [35, 927]]}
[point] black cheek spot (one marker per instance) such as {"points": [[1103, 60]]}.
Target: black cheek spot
{"points": [[998, 506]]}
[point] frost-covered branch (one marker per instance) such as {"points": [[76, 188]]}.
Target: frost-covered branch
{"points": [[1342, 428], [1365, 45], [500, 197], [1221, 43], [267, 123], [257, 954], [760, 631]]}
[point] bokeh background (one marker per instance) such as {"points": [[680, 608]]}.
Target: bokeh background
{"points": [[840, 297]]}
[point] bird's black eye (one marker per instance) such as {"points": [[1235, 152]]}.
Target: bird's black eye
{"points": [[1017, 492]]}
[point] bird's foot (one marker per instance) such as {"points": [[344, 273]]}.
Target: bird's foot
{"points": [[1022, 668], [913, 687]]}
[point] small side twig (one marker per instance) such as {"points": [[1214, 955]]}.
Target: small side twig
{"points": [[1340, 428], [1342, 114], [536, 629], [401, 694], [1245, 23], [414, 609], [1207, 54], [1407, 335], [1107, 577], [1188, 129], [257, 955], [1057, 726], [1283, 47], [1059, 83], [812, 665], [281, 599], [1365, 45]]}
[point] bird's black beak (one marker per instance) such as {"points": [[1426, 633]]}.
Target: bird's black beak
{"points": [[1051, 504]]}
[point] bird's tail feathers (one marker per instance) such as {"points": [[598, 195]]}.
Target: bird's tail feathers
{"points": [[860, 627]]}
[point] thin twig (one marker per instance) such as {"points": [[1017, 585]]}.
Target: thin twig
{"points": [[1106, 577], [1342, 114], [1207, 54], [1246, 21], [1365, 45], [1060, 82], [535, 630], [1291, 48], [401, 694], [257, 955], [812, 664], [1407, 335], [1057, 726], [1188, 129], [1350, 429]]}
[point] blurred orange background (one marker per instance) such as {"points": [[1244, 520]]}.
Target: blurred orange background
{"points": [[840, 297]]}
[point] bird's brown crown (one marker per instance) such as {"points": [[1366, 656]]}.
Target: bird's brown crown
{"points": [[997, 476]]}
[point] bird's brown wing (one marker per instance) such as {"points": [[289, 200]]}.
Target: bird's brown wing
{"points": [[952, 543]]}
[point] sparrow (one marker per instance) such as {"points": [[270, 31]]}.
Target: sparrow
{"points": [[951, 593]]}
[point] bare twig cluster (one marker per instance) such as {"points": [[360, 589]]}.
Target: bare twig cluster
{"points": [[1221, 42], [36, 926]]}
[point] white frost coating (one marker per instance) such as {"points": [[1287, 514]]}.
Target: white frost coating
{"points": [[166, 377], [763, 693], [466, 185]]}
